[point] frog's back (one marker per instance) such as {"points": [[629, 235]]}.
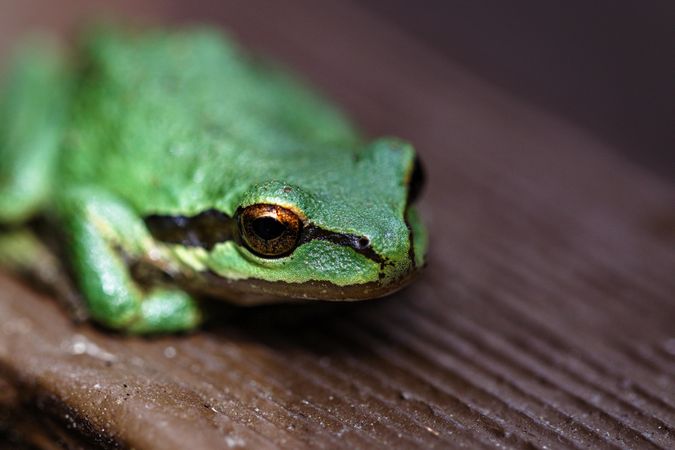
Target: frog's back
{"points": [[170, 121]]}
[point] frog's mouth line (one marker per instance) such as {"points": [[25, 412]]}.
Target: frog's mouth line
{"points": [[212, 227], [250, 292]]}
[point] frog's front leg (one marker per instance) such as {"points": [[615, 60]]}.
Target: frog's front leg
{"points": [[103, 232]]}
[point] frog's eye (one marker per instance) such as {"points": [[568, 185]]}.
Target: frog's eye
{"points": [[269, 231]]}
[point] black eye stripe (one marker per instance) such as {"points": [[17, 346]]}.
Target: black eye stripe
{"points": [[360, 244], [211, 227], [205, 230]]}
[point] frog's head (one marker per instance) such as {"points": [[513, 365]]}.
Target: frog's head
{"points": [[339, 228]]}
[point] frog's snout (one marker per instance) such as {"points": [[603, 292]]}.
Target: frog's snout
{"points": [[397, 262]]}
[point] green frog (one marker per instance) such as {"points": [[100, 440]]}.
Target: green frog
{"points": [[176, 167]]}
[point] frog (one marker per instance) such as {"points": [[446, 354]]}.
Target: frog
{"points": [[174, 166]]}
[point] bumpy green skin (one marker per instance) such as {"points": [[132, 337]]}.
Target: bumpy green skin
{"points": [[179, 123]]}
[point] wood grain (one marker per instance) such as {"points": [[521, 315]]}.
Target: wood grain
{"points": [[545, 319]]}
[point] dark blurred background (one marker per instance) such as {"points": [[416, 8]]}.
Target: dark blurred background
{"points": [[608, 66]]}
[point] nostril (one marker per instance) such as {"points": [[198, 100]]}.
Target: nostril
{"points": [[363, 242]]}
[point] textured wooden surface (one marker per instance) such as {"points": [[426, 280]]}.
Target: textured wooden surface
{"points": [[546, 318]]}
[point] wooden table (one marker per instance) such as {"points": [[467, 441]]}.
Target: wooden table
{"points": [[545, 319]]}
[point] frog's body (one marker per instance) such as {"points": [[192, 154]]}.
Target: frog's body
{"points": [[174, 152]]}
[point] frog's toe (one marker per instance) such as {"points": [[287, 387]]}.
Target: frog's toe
{"points": [[166, 311]]}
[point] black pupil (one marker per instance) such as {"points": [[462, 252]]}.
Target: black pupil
{"points": [[268, 228]]}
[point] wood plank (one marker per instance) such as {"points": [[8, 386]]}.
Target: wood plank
{"points": [[545, 317]]}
